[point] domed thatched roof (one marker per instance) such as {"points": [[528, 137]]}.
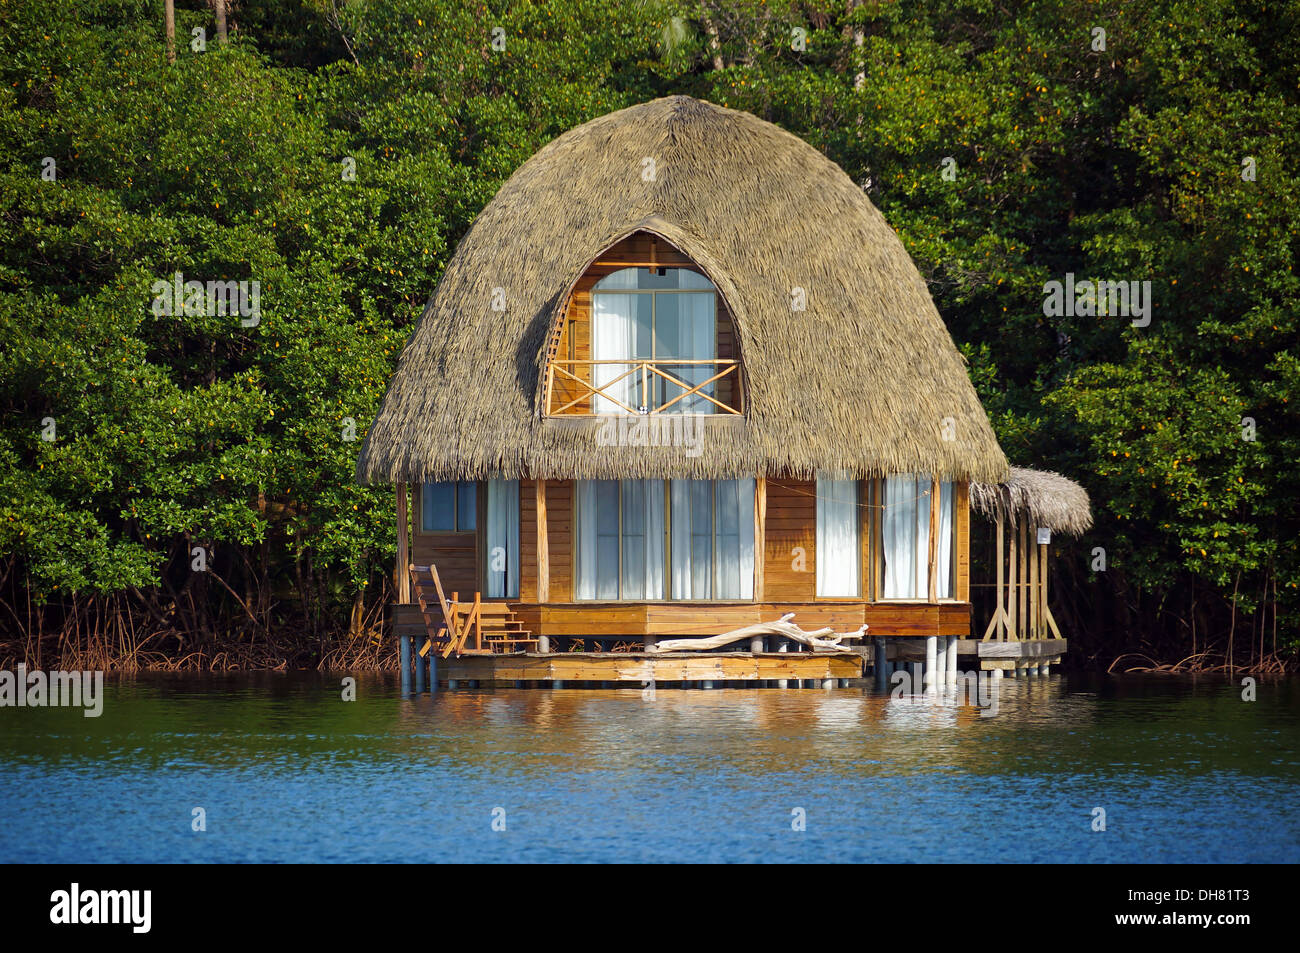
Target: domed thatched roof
{"points": [[1045, 498], [866, 380]]}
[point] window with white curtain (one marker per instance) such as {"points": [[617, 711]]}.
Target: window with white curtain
{"points": [[625, 550], [839, 541], [620, 539], [713, 539], [905, 532], [503, 539], [637, 314]]}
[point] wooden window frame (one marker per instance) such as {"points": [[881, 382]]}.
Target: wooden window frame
{"points": [[479, 501], [878, 544], [668, 599]]}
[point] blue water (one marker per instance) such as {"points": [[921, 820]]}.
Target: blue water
{"points": [[285, 770]]}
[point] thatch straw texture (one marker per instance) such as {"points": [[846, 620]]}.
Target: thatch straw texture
{"points": [[862, 381], [1045, 498]]}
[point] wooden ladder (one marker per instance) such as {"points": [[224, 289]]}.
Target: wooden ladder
{"points": [[493, 625]]}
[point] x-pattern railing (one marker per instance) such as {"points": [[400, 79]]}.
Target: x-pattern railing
{"points": [[647, 371]]}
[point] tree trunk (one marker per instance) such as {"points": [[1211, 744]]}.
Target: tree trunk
{"points": [[219, 6], [169, 26]]}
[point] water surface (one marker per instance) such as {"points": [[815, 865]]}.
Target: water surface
{"points": [[285, 770]]}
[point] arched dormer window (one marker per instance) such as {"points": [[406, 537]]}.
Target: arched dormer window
{"points": [[644, 332]]}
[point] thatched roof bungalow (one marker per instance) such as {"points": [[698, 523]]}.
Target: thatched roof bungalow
{"points": [[846, 362], [679, 376]]}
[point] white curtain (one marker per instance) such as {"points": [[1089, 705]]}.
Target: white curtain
{"points": [[839, 545], [686, 328], [503, 539], [584, 492], [713, 539], [620, 539], [945, 541], [734, 534], [905, 526], [642, 539], [613, 337], [692, 556]]}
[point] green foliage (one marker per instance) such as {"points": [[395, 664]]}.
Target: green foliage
{"points": [[172, 431]]}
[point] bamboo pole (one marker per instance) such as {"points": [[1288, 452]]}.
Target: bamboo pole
{"points": [[1042, 588], [1021, 576], [1013, 620], [1033, 588], [999, 613], [402, 571]]}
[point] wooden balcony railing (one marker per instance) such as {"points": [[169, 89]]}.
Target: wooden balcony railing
{"points": [[639, 387]]}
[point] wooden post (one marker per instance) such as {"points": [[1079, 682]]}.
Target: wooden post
{"points": [[760, 535], [1020, 579], [1032, 552], [402, 580], [1000, 610], [1013, 621], [417, 663], [933, 591], [404, 662], [864, 531], [543, 546], [478, 621], [1042, 582], [961, 547]]}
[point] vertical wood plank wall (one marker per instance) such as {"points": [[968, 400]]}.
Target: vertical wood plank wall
{"points": [[559, 520], [528, 540], [791, 525], [961, 546]]}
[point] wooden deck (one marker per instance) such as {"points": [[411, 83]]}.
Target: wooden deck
{"points": [[671, 619], [639, 667]]}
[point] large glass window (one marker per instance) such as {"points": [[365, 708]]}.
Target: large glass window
{"points": [[620, 528], [448, 507], [839, 541], [713, 539], [638, 314], [621, 539], [905, 528]]}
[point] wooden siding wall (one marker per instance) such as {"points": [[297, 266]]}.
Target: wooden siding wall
{"points": [[961, 547], [791, 526], [559, 524], [455, 554], [575, 329]]}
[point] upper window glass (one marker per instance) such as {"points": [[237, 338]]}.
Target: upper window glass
{"points": [[654, 279]]}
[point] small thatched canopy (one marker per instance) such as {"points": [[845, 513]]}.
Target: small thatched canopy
{"points": [[1044, 498], [866, 380]]}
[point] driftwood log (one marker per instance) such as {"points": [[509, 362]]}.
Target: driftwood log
{"points": [[820, 640]]}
